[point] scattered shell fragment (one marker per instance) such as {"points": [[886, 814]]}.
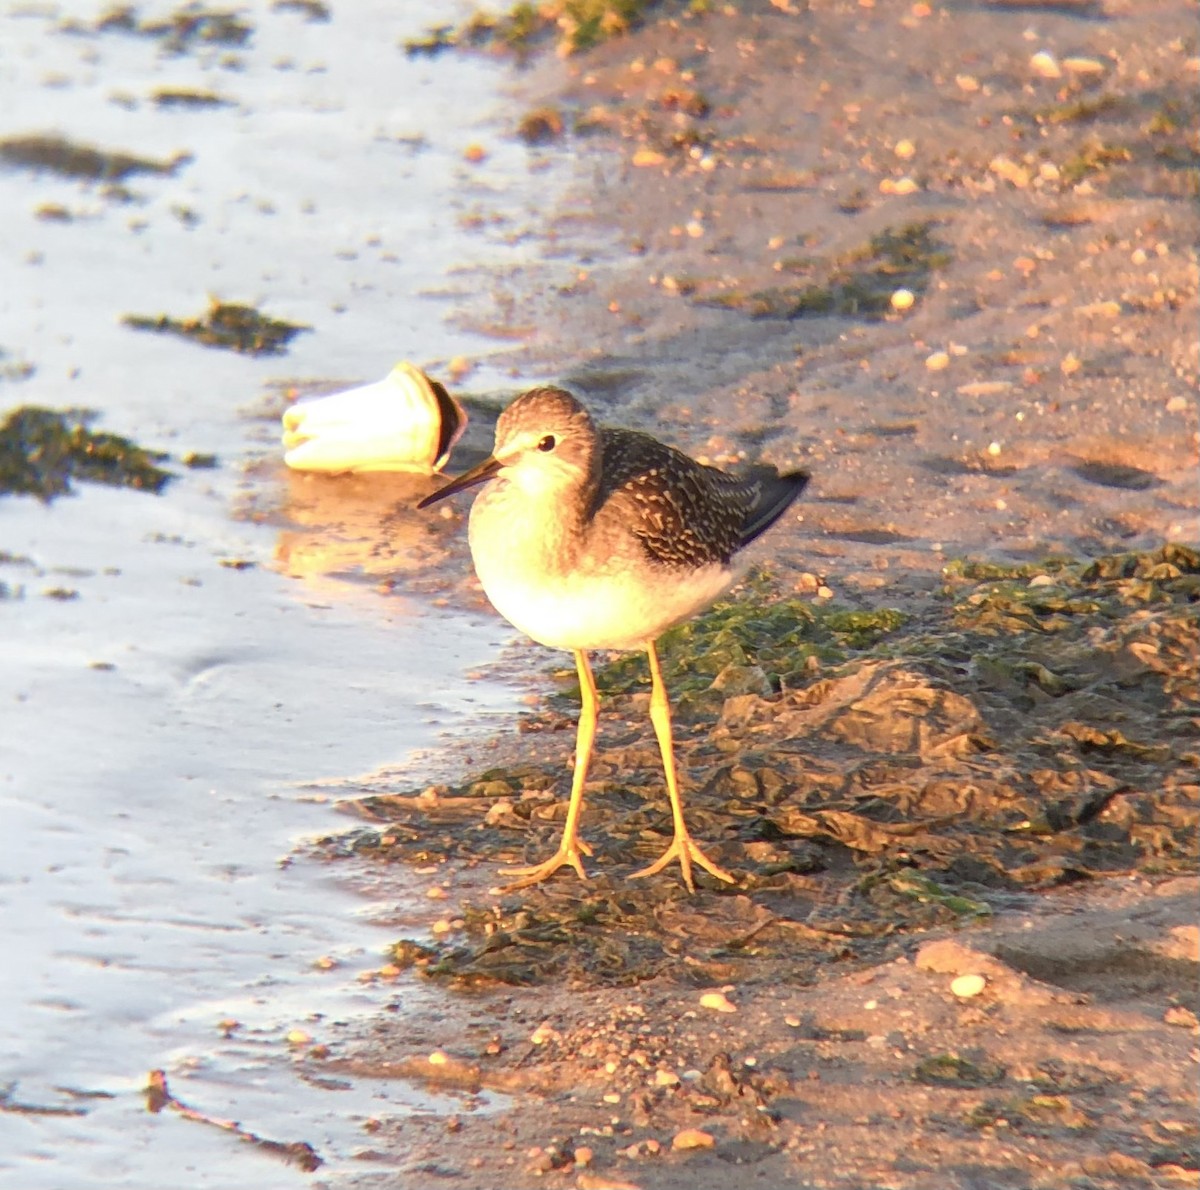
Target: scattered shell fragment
{"points": [[1109, 309], [937, 361], [693, 1138], [1045, 65], [904, 149], [966, 986], [298, 1037], [648, 157], [543, 1033], [984, 388], [718, 1002], [903, 299], [1084, 65], [404, 422], [1010, 171]]}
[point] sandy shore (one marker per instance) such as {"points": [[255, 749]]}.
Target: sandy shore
{"points": [[943, 257]]}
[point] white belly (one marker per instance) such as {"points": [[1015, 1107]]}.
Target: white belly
{"points": [[599, 612]]}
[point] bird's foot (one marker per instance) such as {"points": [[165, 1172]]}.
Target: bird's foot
{"points": [[569, 852], [685, 850]]}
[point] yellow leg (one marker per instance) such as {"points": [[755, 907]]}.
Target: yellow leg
{"points": [[571, 845], [682, 847]]}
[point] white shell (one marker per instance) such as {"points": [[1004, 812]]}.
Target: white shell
{"points": [[404, 422]]}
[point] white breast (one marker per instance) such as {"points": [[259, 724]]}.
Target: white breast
{"points": [[615, 602]]}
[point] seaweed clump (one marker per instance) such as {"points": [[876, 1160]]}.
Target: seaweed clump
{"points": [[575, 26], [42, 451], [70, 159], [225, 324]]}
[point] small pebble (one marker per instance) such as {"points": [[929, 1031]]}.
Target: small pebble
{"points": [[1045, 65], [966, 986], [903, 299], [937, 361], [693, 1138], [437, 1058], [298, 1037], [904, 149], [718, 1002]]}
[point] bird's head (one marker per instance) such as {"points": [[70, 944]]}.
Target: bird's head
{"points": [[546, 444]]}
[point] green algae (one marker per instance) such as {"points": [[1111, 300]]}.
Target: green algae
{"points": [[1093, 156], [780, 636], [43, 450], [953, 1070], [858, 284]]}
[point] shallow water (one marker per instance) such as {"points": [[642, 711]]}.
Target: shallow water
{"points": [[167, 719]]}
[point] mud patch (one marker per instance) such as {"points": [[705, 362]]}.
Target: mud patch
{"points": [[1116, 475]]}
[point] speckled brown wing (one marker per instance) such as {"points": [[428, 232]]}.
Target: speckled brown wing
{"points": [[685, 514]]}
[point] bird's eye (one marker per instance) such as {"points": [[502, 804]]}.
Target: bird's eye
{"points": [[548, 443]]}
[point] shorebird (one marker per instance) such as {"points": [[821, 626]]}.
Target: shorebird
{"points": [[588, 537]]}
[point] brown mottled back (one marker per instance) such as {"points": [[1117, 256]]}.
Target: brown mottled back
{"points": [[685, 514]]}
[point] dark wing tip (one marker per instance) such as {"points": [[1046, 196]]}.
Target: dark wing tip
{"points": [[774, 497]]}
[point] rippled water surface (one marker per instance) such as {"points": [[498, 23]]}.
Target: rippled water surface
{"points": [[165, 708]]}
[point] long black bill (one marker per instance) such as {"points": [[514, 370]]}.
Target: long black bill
{"points": [[468, 479]]}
